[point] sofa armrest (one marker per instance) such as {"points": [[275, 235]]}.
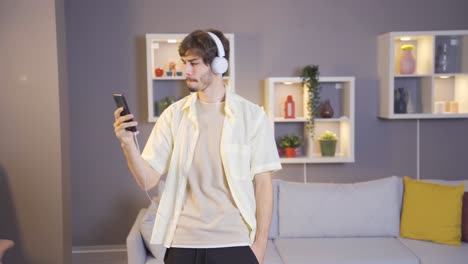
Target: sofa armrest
{"points": [[136, 250]]}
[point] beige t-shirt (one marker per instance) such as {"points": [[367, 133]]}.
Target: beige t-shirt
{"points": [[209, 217]]}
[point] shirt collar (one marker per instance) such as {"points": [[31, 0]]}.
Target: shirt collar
{"points": [[229, 106]]}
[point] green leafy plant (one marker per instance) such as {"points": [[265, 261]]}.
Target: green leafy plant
{"points": [[310, 78], [290, 141], [328, 135], [165, 103]]}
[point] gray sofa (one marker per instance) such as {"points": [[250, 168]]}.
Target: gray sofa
{"points": [[330, 224]]}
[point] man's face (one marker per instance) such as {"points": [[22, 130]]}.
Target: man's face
{"points": [[199, 75]]}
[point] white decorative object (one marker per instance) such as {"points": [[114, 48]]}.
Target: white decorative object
{"points": [[439, 107], [410, 105]]}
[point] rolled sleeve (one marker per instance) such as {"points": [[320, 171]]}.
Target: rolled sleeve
{"points": [[158, 149], [264, 155]]}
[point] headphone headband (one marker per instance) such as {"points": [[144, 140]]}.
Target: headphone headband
{"points": [[218, 43]]}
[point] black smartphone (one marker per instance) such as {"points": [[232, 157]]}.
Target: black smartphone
{"points": [[121, 102]]}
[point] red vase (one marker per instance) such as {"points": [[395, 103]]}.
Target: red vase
{"points": [[290, 152], [289, 108]]}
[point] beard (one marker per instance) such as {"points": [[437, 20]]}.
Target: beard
{"points": [[203, 83]]}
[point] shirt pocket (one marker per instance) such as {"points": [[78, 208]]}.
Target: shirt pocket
{"points": [[238, 157]]}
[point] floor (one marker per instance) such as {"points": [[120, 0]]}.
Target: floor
{"points": [[100, 258]]}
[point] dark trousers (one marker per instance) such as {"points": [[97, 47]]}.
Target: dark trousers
{"points": [[226, 255]]}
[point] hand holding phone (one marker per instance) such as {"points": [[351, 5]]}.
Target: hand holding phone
{"points": [[121, 102]]}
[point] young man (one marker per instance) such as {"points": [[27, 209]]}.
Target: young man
{"points": [[218, 151]]}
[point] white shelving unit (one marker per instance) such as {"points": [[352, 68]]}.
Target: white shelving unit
{"points": [[427, 86], [340, 91], [162, 49]]}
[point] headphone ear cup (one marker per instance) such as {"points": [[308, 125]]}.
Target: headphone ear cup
{"points": [[219, 65]]}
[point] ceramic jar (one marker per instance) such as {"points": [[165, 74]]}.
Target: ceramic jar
{"points": [[326, 110]]}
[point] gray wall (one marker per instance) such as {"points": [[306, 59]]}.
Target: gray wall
{"points": [[34, 171], [105, 46]]}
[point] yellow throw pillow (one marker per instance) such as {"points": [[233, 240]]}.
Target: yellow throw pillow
{"points": [[432, 212]]}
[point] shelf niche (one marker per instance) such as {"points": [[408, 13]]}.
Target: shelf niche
{"points": [[340, 92], [428, 88]]}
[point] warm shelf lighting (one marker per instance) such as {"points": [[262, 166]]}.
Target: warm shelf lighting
{"points": [[444, 77], [405, 38], [172, 41], [288, 83]]}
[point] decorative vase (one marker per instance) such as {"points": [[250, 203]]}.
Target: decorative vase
{"points": [[290, 152], [442, 58], [400, 101], [326, 110], [328, 148], [289, 107], [409, 103], [407, 63]]}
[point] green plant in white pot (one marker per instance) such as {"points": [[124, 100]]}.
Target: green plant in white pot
{"points": [[327, 142]]}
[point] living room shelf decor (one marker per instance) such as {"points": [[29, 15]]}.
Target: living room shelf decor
{"points": [[438, 87], [164, 70], [340, 92]]}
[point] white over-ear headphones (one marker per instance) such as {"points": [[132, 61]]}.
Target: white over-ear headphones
{"points": [[219, 64]]}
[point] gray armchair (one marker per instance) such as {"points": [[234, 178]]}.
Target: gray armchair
{"points": [[137, 251]]}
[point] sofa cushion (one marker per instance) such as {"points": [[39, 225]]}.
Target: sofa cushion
{"points": [[340, 210], [271, 254], [432, 212], [465, 202], [448, 182], [363, 250], [433, 253]]}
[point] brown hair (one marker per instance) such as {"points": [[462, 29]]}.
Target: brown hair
{"points": [[203, 45]]}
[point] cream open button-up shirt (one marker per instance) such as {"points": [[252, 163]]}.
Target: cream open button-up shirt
{"points": [[247, 148]]}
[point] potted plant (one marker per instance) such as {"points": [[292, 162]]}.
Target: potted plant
{"points": [[289, 143], [327, 142], [165, 103], [310, 78]]}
